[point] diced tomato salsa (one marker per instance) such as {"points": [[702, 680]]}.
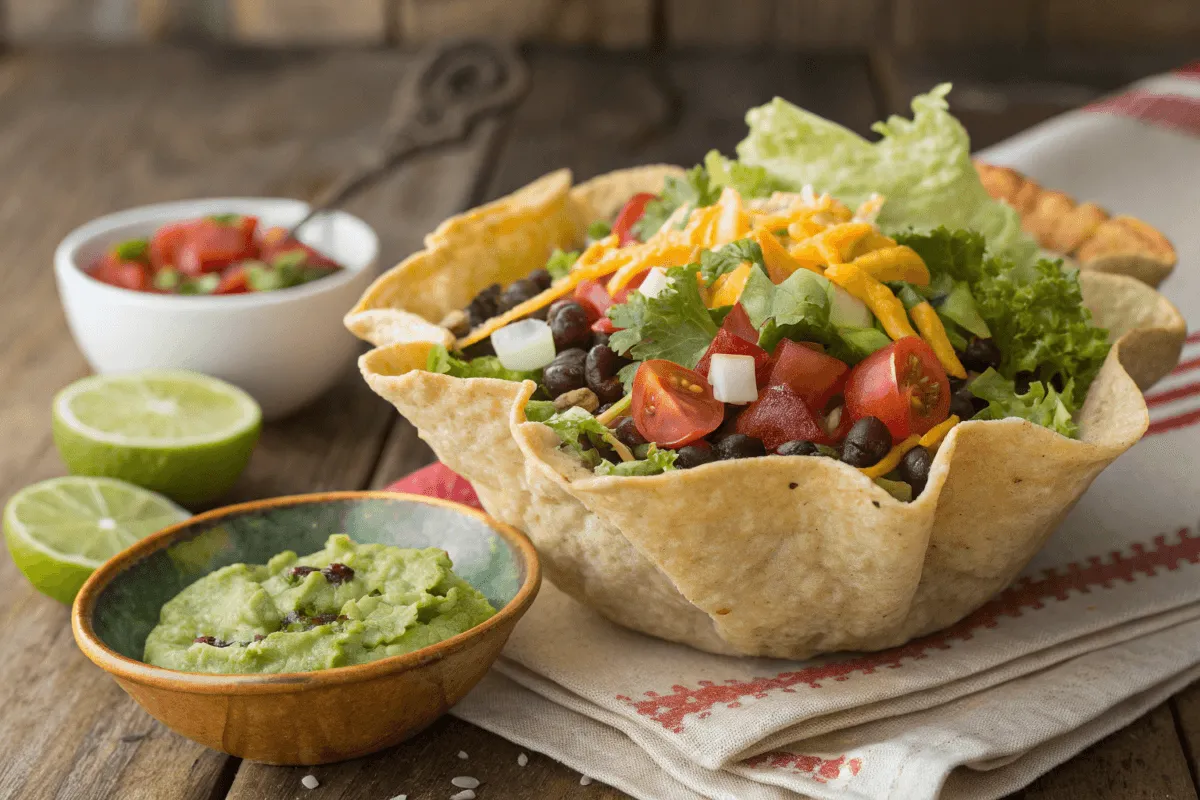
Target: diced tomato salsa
{"points": [[220, 254]]}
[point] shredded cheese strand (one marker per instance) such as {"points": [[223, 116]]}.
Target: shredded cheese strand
{"points": [[879, 298], [892, 460], [896, 263], [933, 437], [934, 332], [617, 409]]}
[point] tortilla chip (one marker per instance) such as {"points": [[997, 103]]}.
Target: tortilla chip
{"points": [[1122, 245], [833, 564]]}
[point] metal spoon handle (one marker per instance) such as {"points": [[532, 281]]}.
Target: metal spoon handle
{"points": [[452, 88]]}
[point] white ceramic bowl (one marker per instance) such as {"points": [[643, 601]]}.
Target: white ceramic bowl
{"points": [[284, 347]]}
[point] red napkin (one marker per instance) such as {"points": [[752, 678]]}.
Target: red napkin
{"points": [[437, 480]]}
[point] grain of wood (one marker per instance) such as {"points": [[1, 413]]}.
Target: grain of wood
{"points": [[607, 23], [183, 20], [1186, 708], [923, 23], [1141, 762], [1129, 22], [292, 22], [68, 730], [818, 24], [702, 23]]}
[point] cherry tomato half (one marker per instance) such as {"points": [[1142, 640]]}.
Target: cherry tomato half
{"points": [[813, 375], [903, 385], [594, 298], [672, 405], [630, 213]]}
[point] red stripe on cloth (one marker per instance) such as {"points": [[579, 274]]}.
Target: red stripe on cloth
{"points": [[1027, 594], [1186, 366], [1193, 337], [438, 480], [1191, 70], [1174, 111], [819, 769], [1169, 395], [1174, 423]]}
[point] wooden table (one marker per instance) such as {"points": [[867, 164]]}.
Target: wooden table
{"points": [[83, 134]]}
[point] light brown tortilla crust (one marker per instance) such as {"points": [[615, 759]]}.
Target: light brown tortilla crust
{"points": [[835, 563], [1085, 232]]}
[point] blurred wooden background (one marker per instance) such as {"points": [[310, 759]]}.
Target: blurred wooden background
{"points": [[617, 24]]}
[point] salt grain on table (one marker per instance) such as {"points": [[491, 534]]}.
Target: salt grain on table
{"points": [[522, 760], [465, 794], [310, 782], [462, 754], [465, 782], [585, 780]]}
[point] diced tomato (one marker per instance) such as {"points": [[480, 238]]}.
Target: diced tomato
{"points": [[275, 242], [814, 376], [604, 325], [630, 213], [212, 245], [672, 405], [165, 243], [904, 385], [233, 281], [737, 322], [732, 344], [594, 298], [780, 415], [124, 274], [622, 295]]}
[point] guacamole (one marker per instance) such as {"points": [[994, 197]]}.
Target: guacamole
{"points": [[347, 604]]}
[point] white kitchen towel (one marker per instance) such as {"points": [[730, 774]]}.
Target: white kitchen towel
{"points": [[1102, 626]]}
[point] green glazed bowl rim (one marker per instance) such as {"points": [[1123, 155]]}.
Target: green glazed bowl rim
{"points": [[124, 668]]}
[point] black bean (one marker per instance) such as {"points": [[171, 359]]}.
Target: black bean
{"points": [[481, 348], [570, 327], [600, 369], [484, 305], [962, 404], [212, 641], [517, 293], [981, 354], [914, 468], [337, 573], [542, 278], [739, 445], [628, 434], [600, 338], [1022, 380], [565, 372], [693, 456], [557, 304], [867, 442], [957, 384], [797, 447], [301, 572]]}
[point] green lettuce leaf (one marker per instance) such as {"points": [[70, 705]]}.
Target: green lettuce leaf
{"points": [[560, 263], [727, 258], [922, 166], [694, 189], [1041, 404], [439, 360], [540, 410], [748, 181], [655, 462], [897, 489], [676, 325]]}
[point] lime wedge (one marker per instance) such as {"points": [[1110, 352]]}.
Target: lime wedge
{"points": [[183, 434], [60, 530]]}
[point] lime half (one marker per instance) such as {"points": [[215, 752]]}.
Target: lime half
{"points": [[183, 434], [60, 530]]}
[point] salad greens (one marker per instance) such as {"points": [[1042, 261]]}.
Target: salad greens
{"points": [[675, 325], [439, 360], [656, 461], [560, 263], [715, 263], [574, 426], [693, 189], [1041, 404]]}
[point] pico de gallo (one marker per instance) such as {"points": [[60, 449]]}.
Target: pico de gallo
{"points": [[735, 315], [218, 254]]}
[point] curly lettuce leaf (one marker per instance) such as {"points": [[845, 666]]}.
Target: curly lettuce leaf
{"points": [[749, 181], [921, 165], [1041, 404], [655, 462], [439, 360], [727, 258], [675, 325], [560, 263], [694, 189]]}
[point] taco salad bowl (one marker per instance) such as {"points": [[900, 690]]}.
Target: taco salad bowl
{"points": [[821, 559]]}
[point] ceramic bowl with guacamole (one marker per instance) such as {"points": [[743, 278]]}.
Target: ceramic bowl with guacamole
{"points": [[369, 611]]}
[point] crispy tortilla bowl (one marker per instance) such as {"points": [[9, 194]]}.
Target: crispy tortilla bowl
{"points": [[782, 557]]}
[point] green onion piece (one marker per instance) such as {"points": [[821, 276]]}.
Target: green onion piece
{"points": [[897, 489], [167, 280], [132, 250], [261, 278], [598, 229], [225, 219]]}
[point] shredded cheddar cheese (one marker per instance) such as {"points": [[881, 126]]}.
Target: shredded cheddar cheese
{"points": [[892, 459], [933, 332], [879, 298], [934, 436], [896, 263], [728, 288], [777, 259]]}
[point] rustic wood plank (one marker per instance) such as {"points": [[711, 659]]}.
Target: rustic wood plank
{"points": [[607, 23], [919, 23], [704, 23], [301, 22], [1141, 762], [1186, 708], [789, 23], [70, 21], [238, 129], [1122, 22]]}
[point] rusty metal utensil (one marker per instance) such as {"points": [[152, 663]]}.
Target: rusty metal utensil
{"points": [[451, 89]]}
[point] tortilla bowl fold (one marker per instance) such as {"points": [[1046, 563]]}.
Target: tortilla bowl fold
{"points": [[729, 557]]}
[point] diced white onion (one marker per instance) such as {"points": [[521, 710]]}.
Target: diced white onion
{"points": [[524, 345], [847, 311], [655, 282], [732, 378]]}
